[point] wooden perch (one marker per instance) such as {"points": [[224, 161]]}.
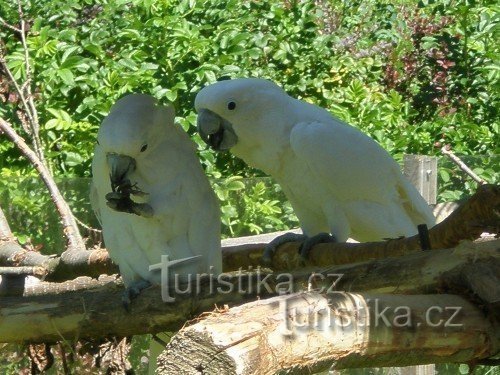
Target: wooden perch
{"points": [[306, 333], [478, 214], [91, 263], [87, 308]]}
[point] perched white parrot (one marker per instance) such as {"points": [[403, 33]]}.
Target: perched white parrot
{"points": [[338, 180], [152, 196]]}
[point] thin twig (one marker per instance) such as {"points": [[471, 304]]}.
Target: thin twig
{"points": [[87, 227], [70, 228], [9, 26], [35, 125], [447, 151], [13, 80]]}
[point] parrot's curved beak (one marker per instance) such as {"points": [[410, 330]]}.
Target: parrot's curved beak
{"points": [[119, 167], [216, 131]]}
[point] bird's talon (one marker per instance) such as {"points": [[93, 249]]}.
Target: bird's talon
{"points": [[267, 257], [133, 291], [272, 246], [310, 242]]}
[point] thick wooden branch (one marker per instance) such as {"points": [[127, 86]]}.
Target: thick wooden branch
{"points": [[93, 263], [309, 332], [88, 308], [480, 213]]}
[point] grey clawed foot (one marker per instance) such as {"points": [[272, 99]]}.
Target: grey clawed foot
{"points": [[133, 291], [271, 247], [309, 242]]}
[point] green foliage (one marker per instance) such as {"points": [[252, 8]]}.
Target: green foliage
{"points": [[453, 184], [409, 74], [413, 75], [253, 206]]}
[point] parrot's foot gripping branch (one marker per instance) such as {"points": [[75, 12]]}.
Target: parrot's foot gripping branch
{"points": [[133, 291], [309, 242], [305, 247]]}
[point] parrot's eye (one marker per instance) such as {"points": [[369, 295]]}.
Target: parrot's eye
{"points": [[231, 105], [144, 147]]}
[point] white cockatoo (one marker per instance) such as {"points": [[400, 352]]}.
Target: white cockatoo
{"points": [[152, 196], [338, 180]]}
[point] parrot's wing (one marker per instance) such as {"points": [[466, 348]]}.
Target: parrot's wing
{"points": [[354, 168]]}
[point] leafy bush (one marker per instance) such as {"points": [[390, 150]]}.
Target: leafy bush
{"points": [[410, 74], [413, 75]]}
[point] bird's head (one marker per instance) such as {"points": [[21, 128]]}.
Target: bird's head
{"points": [[234, 111], [132, 129]]}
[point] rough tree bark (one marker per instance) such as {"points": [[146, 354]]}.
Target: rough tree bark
{"points": [[89, 308], [479, 213], [93, 262], [309, 332]]}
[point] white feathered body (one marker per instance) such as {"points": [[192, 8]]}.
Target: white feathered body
{"points": [[337, 179], [186, 219]]}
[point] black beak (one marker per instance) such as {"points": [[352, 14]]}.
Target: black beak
{"points": [[119, 167], [215, 131]]}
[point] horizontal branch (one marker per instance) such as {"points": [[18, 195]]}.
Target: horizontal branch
{"points": [[86, 308], [310, 332], [478, 214], [93, 263]]}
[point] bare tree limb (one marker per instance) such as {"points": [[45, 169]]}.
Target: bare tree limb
{"points": [[446, 150], [9, 26], [14, 82], [306, 333], [85, 307], [70, 228], [24, 90], [478, 214], [93, 263]]}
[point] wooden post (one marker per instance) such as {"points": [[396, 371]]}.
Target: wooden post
{"points": [[421, 170]]}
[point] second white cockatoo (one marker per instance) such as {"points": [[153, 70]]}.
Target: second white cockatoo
{"points": [[339, 181], [152, 196]]}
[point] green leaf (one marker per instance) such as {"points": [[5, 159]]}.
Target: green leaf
{"points": [[67, 76], [445, 176], [73, 158]]}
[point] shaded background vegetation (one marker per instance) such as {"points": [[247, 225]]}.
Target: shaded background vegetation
{"points": [[414, 75]]}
